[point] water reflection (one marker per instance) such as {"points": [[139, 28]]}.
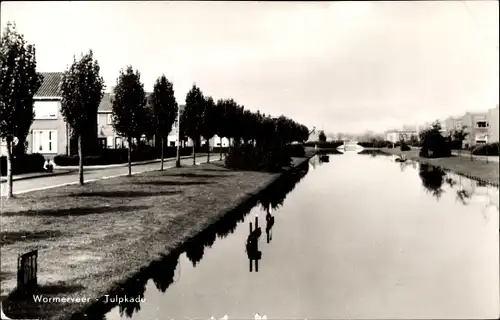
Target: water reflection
{"points": [[252, 245], [432, 179], [373, 153], [163, 272], [269, 226]]}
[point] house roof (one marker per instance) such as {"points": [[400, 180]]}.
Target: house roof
{"points": [[105, 105], [50, 86]]}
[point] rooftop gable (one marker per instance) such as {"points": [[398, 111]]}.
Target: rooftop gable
{"points": [[51, 85]]}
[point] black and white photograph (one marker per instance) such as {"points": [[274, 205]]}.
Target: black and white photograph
{"points": [[249, 160]]}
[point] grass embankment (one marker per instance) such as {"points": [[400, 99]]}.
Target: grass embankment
{"points": [[487, 172], [92, 238]]}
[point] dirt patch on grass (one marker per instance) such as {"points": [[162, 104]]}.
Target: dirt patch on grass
{"points": [[123, 224]]}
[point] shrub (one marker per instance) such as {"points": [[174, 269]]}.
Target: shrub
{"points": [[376, 144], [118, 156], [218, 149], [296, 150], [404, 146], [26, 163], [489, 149], [434, 145], [248, 157]]}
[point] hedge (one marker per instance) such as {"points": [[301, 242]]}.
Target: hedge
{"points": [[488, 149], [117, 156], [27, 163]]}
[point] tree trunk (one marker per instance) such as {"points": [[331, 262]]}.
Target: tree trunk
{"points": [[208, 151], [80, 160], [220, 148], [10, 193], [129, 156], [161, 166], [194, 152]]}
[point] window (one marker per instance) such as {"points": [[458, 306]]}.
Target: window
{"points": [[44, 141], [119, 142], [46, 109], [172, 143], [110, 118], [481, 124], [109, 142]]}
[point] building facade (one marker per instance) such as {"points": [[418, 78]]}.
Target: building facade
{"points": [[395, 136], [49, 133], [477, 127], [493, 128]]}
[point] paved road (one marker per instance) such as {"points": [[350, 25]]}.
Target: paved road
{"points": [[23, 186]]}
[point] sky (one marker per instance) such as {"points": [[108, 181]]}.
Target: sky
{"points": [[340, 66]]}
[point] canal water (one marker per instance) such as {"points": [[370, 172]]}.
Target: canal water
{"points": [[358, 236]]}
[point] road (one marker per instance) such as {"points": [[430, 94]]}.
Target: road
{"points": [[23, 186]]}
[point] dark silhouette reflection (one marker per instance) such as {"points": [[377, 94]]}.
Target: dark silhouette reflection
{"points": [[463, 196], [329, 152], [252, 246], [274, 196], [269, 226], [451, 182], [163, 272], [373, 153], [403, 165], [432, 179]]}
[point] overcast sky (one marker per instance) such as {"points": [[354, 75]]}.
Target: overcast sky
{"points": [[344, 66]]}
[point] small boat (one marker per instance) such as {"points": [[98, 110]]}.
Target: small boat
{"points": [[401, 159], [324, 158]]}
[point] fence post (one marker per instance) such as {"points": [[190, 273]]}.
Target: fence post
{"points": [[27, 268]]}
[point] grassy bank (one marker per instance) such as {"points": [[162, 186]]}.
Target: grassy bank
{"points": [[92, 238], [477, 170]]}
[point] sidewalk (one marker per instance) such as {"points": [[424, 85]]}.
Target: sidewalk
{"points": [[61, 170], [46, 182]]}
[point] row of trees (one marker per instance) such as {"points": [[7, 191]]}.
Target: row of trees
{"points": [[134, 113]]}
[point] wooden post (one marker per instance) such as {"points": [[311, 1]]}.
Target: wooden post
{"points": [[250, 227], [256, 222], [27, 267]]}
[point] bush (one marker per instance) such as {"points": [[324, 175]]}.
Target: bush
{"points": [[325, 145], [117, 156], [26, 163], [488, 149], [248, 157], [296, 150], [404, 146], [376, 144], [434, 145], [219, 149]]}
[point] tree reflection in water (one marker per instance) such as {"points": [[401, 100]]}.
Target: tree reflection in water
{"points": [[432, 179]]}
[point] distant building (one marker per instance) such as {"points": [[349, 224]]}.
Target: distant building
{"points": [[477, 127], [493, 128], [395, 136]]}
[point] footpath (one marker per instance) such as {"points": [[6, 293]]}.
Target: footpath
{"points": [[92, 238], [487, 172], [62, 170]]}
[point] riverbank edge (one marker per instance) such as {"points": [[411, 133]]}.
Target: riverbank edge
{"points": [[78, 311], [398, 152]]}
